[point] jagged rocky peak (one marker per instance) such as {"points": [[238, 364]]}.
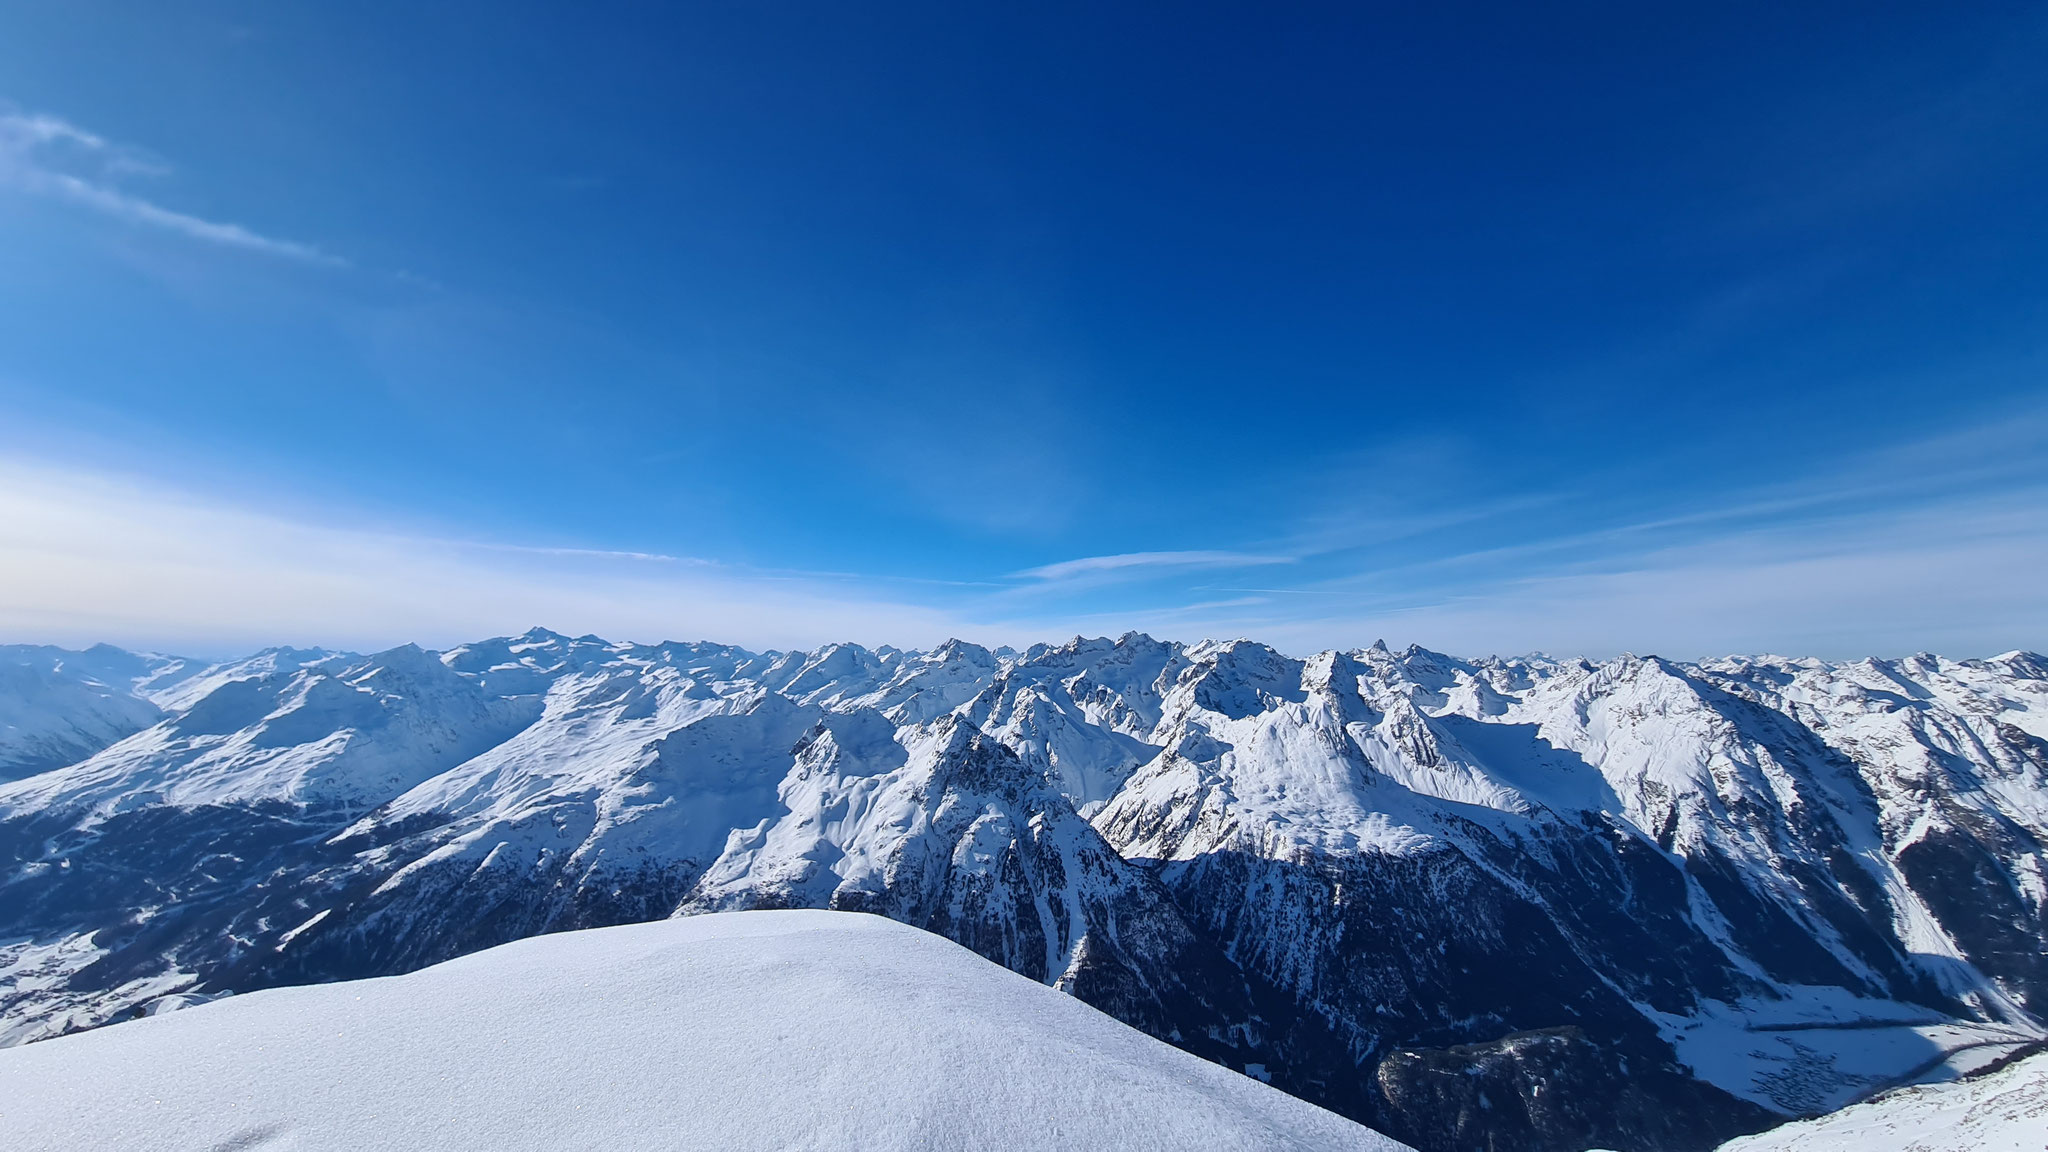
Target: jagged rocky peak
{"points": [[922, 686], [2020, 664], [1435, 682], [1331, 673], [836, 672], [955, 651], [1236, 678]]}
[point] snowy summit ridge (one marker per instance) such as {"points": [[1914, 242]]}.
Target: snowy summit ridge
{"points": [[1640, 903], [758, 1030]]}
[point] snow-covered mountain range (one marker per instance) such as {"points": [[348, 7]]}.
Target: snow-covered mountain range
{"points": [[1641, 904]]}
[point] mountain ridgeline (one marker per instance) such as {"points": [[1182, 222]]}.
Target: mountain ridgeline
{"points": [[1513, 904]]}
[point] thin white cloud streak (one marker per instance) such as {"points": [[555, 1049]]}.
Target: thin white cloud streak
{"points": [[136, 210], [1090, 565], [39, 154], [86, 557], [1938, 544], [594, 553], [1212, 605], [1956, 473], [28, 129], [1963, 578]]}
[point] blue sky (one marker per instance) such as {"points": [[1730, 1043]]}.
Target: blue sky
{"points": [[1490, 327]]}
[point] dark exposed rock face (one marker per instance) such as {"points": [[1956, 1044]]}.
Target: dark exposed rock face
{"points": [[1406, 960], [1966, 884], [999, 861], [1497, 904]]}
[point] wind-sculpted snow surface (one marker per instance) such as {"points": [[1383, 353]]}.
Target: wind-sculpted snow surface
{"points": [[759, 1030], [1550, 904]]}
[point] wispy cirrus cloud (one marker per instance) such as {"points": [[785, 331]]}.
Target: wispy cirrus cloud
{"points": [[1089, 565], [1960, 576], [47, 156], [88, 556]]}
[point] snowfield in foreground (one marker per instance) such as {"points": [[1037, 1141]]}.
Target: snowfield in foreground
{"points": [[786, 1029], [2006, 1111]]}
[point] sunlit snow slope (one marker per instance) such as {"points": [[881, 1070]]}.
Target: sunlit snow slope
{"points": [[2005, 1111], [770, 1030]]}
